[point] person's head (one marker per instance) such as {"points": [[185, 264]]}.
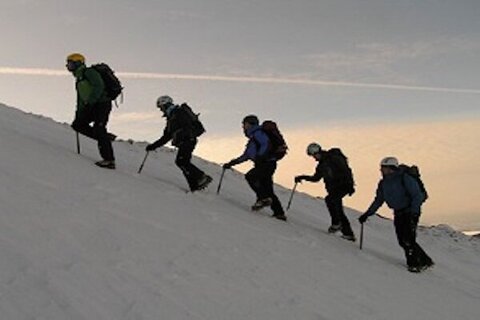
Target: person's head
{"points": [[74, 61], [163, 102], [314, 150], [388, 165], [250, 121]]}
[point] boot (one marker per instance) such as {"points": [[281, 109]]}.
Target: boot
{"points": [[203, 183], [280, 216], [334, 228], [262, 203], [349, 237], [109, 164]]}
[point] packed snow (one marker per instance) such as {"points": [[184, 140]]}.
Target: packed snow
{"points": [[79, 242]]}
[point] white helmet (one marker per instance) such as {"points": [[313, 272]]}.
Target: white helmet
{"points": [[164, 101], [313, 148], [389, 162]]}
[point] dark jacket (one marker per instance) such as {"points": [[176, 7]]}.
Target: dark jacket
{"points": [[178, 127], [332, 168], [257, 147], [401, 193]]}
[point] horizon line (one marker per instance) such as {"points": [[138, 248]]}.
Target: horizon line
{"points": [[245, 79]]}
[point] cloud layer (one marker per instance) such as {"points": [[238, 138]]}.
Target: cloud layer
{"points": [[247, 79]]}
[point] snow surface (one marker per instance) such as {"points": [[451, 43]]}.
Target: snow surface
{"points": [[80, 242]]}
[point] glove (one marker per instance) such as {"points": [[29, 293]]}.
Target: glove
{"points": [[150, 147], [227, 165], [363, 218], [299, 179]]}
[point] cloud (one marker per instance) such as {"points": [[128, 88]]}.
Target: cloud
{"points": [[127, 117], [380, 59], [245, 79]]}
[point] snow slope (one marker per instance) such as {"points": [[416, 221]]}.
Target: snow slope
{"points": [[80, 242]]}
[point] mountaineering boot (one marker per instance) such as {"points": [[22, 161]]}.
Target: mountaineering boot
{"points": [[203, 183], [349, 237], [109, 164], [414, 269], [111, 136], [427, 266], [281, 216], [261, 203], [334, 228]]}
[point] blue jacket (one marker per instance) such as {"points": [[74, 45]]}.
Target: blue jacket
{"points": [[257, 146], [401, 193]]}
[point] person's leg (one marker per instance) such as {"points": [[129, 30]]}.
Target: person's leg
{"points": [[331, 206], [339, 219], [267, 184], [257, 179], [81, 123], [183, 161], [340, 213], [252, 178], [420, 257], [101, 115], [406, 238]]}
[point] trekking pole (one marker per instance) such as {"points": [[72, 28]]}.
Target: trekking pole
{"points": [[78, 143], [291, 195], [220, 182], [361, 236], [143, 162]]}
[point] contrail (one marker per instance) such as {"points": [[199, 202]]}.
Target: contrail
{"points": [[251, 79]]}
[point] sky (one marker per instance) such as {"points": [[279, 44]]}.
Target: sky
{"points": [[80, 242], [375, 78]]}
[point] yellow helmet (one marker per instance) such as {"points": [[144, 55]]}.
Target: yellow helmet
{"points": [[76, 57]]}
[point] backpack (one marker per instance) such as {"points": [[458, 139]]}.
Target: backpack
{"points": [[345, 173], [414, 172], [197, 127], [113, 87], [277, 146]]}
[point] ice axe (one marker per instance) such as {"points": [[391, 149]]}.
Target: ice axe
{"points": [[221, 179], [78, 142], [361, 236], [291, 195], [143, 162]]}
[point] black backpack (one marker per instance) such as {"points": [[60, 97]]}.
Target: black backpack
{"points": [[345, 173], [414, 172], [113, 87], [197, 127], [277, 147]]}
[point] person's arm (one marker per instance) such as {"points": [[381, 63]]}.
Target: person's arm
{"points": [[247, 154], [167, 136], [317, 176], [377, 202]]}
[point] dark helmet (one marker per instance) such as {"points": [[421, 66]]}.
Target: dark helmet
{"points": [[163, 102], [313, 148], [251, 119]]}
